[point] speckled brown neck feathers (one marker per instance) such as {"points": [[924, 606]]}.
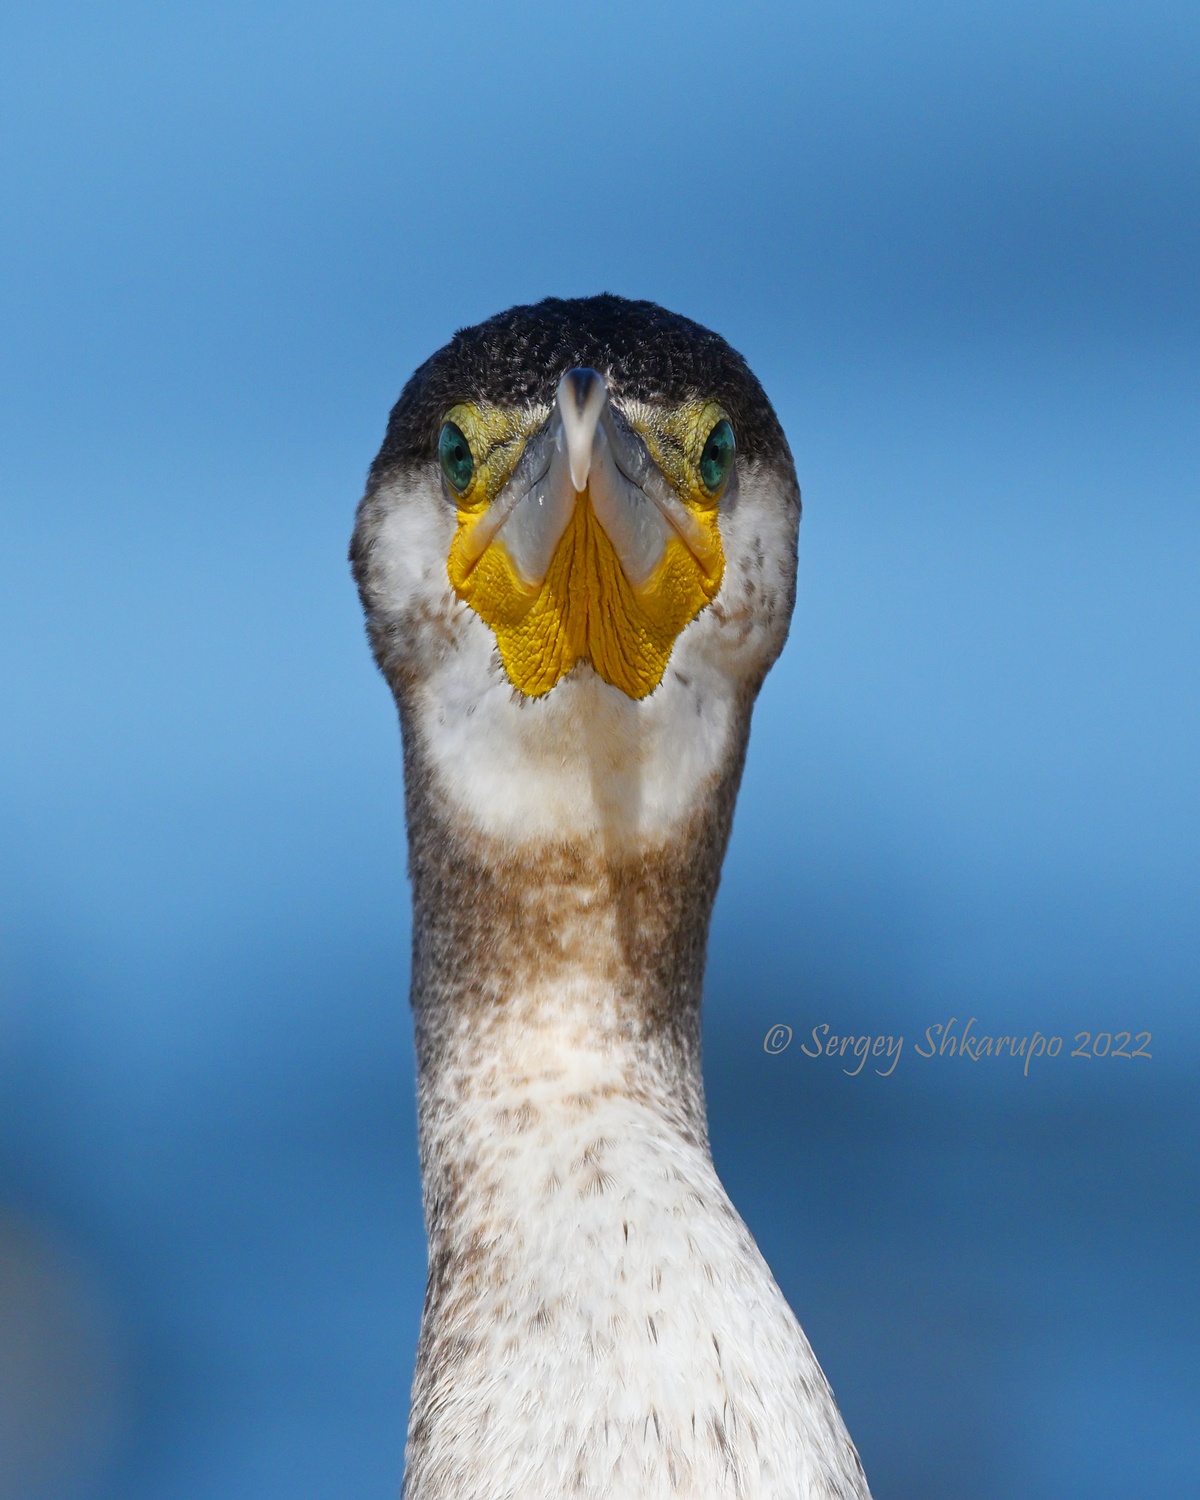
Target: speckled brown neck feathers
{"points": [[500, 935]]}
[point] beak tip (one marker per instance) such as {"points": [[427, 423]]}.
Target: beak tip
{"points": [[582, 386]]}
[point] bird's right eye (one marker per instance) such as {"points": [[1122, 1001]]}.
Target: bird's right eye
{"points": [[455, 457]]}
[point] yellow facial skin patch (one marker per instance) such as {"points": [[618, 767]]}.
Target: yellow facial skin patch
{"points": [[585, 608]]}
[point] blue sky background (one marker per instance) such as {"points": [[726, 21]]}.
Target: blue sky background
{"points": [[959, 244]]}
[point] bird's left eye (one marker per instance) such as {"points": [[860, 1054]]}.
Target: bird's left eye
{"points": [[717, 457], [454, 454]]}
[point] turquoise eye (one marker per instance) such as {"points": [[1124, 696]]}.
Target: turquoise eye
{"points": [[717, 458], [454, 454]]}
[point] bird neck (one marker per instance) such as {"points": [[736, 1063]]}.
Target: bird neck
{"points": [[550, 983]]}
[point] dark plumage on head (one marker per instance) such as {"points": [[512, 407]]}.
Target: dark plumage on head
{"points": [[645, 352]]}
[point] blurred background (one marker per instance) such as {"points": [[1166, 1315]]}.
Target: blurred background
{"points": [[960, 245]]}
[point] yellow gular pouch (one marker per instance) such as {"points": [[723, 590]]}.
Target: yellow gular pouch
{"points": [[585, 608]]}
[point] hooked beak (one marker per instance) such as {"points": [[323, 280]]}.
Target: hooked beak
{"points": [[580, 400], [587, 553], [587, 448]]}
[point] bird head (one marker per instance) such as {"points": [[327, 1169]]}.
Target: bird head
{"points": [[577, 558]]}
